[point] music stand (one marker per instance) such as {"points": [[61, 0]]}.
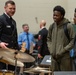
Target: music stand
{"points": [[46, 62]]}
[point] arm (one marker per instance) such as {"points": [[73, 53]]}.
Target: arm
{"points": [[49, 38], [40, 37], [33, 40], [1, 28], [20, 40], [2, 44], [72, 35], [21, 44], [70, 45]]}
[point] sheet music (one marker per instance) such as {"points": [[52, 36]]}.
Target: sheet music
{"points": [[48, 60]]}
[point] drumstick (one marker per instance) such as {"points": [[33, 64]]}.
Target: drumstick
{"points": [[23, 49]]}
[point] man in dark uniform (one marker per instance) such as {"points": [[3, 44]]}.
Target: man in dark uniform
{"points": [[42, 41], [8, 31]]}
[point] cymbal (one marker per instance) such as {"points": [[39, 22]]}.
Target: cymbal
{"points": [[27, 71], [23, 57], [37, 70], [45, 71], [10, 61]]}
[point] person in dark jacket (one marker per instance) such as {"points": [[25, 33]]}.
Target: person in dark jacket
{"points": [[58, 43], [42, 41], [8, 31], [74, 55]]}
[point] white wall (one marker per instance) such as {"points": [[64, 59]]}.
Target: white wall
{"points": [[33, 11], [71, 8]]}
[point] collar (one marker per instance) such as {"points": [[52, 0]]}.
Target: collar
{"points": [[25, 32], [42, 28], [7, 14]]}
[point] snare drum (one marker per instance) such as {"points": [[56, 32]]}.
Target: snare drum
{"points": [[6, 72]]}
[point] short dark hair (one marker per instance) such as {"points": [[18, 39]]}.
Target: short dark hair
{"points": [[60, 9], [9, 2], [75, 10], [24, 25]]}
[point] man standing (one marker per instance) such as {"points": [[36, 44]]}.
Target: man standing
{"points": [[42, 41], [8, 31], [58, 43], [26, 37]]}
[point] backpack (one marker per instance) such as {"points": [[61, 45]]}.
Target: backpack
{"points": [[72, 54]]}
